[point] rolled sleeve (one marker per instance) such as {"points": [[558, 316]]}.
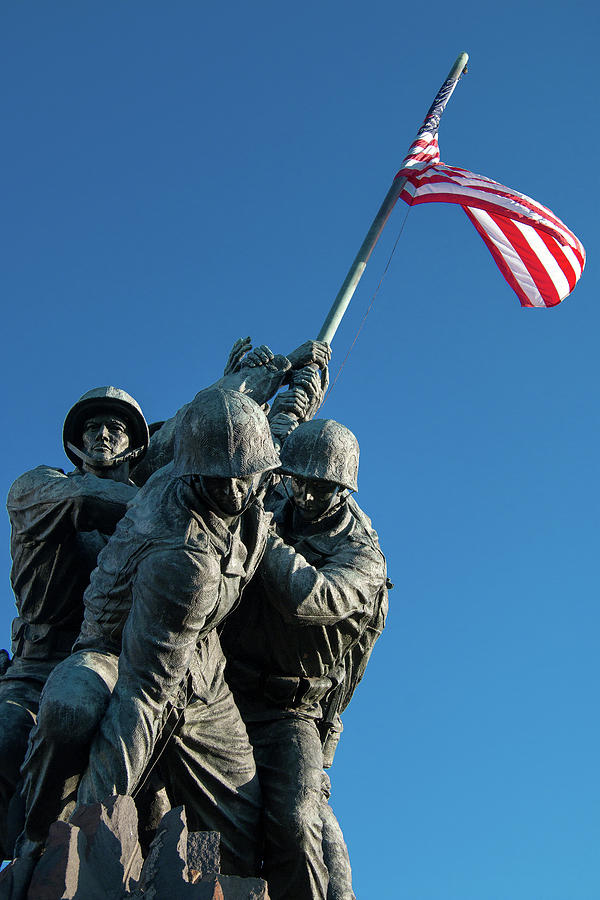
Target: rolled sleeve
{"points": [[305, 595]]}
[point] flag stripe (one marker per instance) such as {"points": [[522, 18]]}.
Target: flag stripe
{"points": [[548, 264], [538, 255], [456, 176], [568, 264], [576, 261], [508, 260], [440, 189], [530, 261]]}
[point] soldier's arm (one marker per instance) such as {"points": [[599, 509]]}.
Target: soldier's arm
{"points": [[299, 403], [305, 595], [258, 382], [259, 375], [45, 502], [174, 593]]}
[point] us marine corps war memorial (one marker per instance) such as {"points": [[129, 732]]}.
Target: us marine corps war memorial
{"points": [[197, 601]]}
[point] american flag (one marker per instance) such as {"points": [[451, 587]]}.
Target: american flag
{"points": [[538, 255]]}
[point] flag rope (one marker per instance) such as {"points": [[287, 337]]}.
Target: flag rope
{"points": [[368, 310]]}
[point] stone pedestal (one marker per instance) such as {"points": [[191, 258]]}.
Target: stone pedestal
{"points": [[97, 856]]}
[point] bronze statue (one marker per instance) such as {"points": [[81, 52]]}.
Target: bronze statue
{"points": [[60, 523], [172, 571], [144, 695], [294, 643]]}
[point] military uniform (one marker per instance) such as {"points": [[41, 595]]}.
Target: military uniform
{"points": [[169, 576], [313, 597], [59, 525]]}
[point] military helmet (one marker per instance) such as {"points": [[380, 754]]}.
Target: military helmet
{"points": [[116, 401], [322, 450], [224, 434]]}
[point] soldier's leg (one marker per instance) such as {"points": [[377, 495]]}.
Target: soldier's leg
{"points": [[72, 705], [335, 851], [209, 767], [124, 743], [152, 804], [289, 760], [19, 699], [153, 661]]}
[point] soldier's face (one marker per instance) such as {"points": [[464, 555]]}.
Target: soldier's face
{"points": [[229, 495], [313, 498], [105, 436]]}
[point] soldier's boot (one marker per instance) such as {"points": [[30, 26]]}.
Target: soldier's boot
{"points": [[16, 877]]}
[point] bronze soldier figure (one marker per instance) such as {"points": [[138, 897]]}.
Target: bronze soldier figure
{"points": [[59, 524], [173, 570], [319, 587]]}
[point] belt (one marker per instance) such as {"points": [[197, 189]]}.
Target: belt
{"points": [[40, 641], [281, 690]]}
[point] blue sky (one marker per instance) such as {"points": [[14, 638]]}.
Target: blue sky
{"points": [[177, 175]]}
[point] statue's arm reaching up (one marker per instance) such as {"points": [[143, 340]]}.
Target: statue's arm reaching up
{"points": [[259, 373]]}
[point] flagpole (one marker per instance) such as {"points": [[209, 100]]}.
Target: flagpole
{"points": [[344, 296]]}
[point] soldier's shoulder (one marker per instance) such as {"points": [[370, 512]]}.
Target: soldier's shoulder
{"points": [[361, 518], [362, 530], [34, 479], [151, 497], [185, 565], [195, 539]]}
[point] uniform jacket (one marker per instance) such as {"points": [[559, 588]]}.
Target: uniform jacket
{"points": [[175, 570], [59, 525], [310, 602]]}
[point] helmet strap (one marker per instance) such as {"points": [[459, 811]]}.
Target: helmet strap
{"points": [[339, 498], [118, 460]]}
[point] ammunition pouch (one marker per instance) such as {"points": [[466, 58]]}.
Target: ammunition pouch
{"points": [[285, 691], [40, 641], [330, 733]]}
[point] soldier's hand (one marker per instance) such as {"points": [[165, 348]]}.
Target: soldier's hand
{"points": [[281, 425], [294, 402], [318, 352], [239, 349], [314, 382], [309, 379], [260, 356]]}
